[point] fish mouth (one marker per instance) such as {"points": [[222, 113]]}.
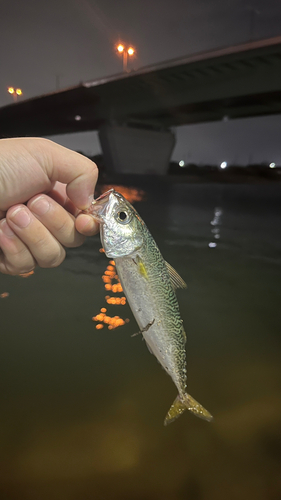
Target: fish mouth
{"points": [[99, 206]]}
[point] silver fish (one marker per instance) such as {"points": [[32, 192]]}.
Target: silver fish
{"points": [[149, 284]]}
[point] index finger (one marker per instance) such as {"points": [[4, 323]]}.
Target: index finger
{"points": [[35, 164]]}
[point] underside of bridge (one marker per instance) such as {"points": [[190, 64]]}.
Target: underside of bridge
{"points": [[134, 112]]}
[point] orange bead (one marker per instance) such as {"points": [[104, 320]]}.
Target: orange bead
{"points": [[106, 279]]}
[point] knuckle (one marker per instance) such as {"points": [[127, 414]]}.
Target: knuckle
{"points": [[21, 262], [54, 260], [40, 242], [62, 226], [77, 241], [13, 270]]}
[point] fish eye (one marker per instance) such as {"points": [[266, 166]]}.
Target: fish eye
{"points": [[123, 217]]}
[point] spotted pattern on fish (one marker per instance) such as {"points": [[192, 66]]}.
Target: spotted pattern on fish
{"points": [[168, 330]]}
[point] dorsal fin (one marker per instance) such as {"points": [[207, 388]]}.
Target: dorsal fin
{"points": [[175, 278]]}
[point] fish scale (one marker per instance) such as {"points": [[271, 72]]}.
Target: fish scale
{"points": [[149, 284], [161, 307]]}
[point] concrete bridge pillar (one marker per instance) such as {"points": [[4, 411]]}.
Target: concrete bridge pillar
{"points": [[128, 150]]}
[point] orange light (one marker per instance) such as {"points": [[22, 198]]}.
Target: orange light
{"points": [[102, 318], [117, 288], [18, 91], [106, 279], [11, 90], [4, 295], [131, 194], [120, 48], [131, 51], [109, 273], [26, 275]]}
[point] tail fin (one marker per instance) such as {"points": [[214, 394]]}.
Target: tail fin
{"points": [[186, 403]]}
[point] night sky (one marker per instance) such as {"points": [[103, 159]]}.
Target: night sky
{"points": [[52, 44]]}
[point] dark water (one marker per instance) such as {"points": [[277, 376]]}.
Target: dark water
{"points": [[82, 409]]}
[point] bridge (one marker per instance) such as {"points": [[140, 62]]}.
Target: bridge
{"points": [[134, 112]]}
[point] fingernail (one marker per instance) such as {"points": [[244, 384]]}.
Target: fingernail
{"points": [[6, 228], [40, 206], [20, 217]]}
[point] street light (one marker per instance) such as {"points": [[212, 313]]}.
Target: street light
{"points": [[223, 164], [125, 51], [14, 92]]}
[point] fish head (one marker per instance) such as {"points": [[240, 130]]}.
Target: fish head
{"points": [[120, 225]]}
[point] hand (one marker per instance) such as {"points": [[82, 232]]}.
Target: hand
{"points": [[43, 186]]}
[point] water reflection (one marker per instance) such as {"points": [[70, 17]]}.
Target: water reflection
{"points": [[216, 222]]}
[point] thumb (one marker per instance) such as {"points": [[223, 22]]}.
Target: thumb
{"points": [[79, 173]]}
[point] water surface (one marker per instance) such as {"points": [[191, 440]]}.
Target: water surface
{"points": [[82, 409]]}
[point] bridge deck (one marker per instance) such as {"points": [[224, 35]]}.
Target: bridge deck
{"points": [[239, 81]]}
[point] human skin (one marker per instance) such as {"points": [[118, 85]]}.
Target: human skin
{"points": [[43, 187]]}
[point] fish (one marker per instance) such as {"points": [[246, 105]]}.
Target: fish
{"points": [[149, 284]]}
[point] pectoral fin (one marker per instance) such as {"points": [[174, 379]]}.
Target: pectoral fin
{"points": [[175, 278], [186, 403], [141, 267]]}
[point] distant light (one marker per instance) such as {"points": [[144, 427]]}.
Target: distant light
{"points": [[78, 118], [18, 91], [131, 51], [272, 165], [223, 164], [11, 90], [212, 244], [120, 48], [181, 163]]}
